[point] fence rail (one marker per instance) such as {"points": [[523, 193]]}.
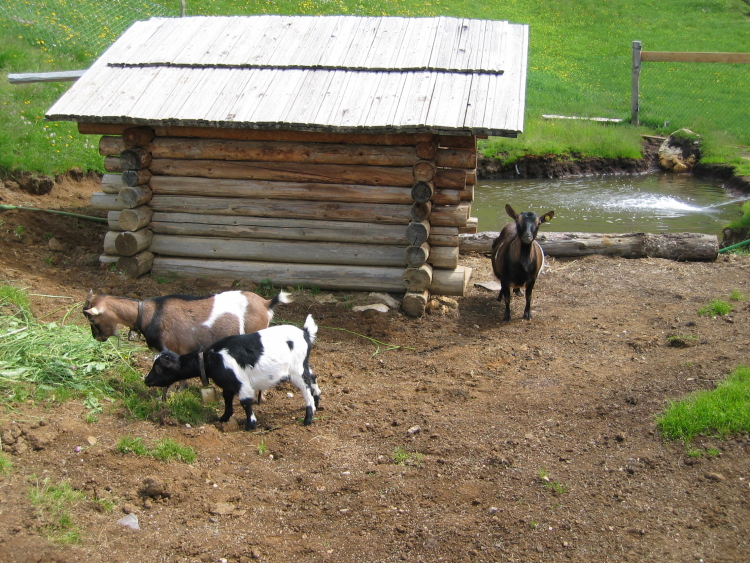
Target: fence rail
{"points": [[640, 56]]}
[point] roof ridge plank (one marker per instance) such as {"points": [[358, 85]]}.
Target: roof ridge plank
{"points": [[361, 43], [385, 41], [308, 49], [137, 35], [282, 55], [165, 43], [223, 43], [274, 33]]}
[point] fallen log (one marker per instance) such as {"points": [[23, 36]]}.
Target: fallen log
{"points": [[687, 247]]}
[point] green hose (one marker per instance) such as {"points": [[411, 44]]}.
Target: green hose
{"points": [[76, 215], [743, 243]]}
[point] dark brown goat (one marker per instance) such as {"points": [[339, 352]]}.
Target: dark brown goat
{"points": [[517, 258], [181, 323]]}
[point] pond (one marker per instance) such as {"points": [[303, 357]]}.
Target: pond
{"points": [[652, 203]]}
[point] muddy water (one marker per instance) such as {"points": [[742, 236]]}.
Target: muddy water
{"points": [[653, 203]]}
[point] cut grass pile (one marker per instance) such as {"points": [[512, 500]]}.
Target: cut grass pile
{"points": [[721, 412], [40, 357]]}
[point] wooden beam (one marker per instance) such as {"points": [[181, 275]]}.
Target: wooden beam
{"points": [[266, 250], [334, 277], [450, 282], [687, 57], [59, 76]]}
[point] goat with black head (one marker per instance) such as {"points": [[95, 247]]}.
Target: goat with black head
{"points": [[517, 257]]}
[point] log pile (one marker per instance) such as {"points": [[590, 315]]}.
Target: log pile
{"points": [[375, 212]]}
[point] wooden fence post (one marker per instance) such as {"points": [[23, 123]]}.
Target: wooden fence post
{"points": [[634, 84]]}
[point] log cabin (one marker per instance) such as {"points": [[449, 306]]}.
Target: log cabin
{"points": [[329, 151]]}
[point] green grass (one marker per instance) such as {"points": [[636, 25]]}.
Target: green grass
{"points": [[53, 502], [165, 449], [550, 484], [579, 64], [403, 457], [6, 465], [716, 307], [721, 412]]}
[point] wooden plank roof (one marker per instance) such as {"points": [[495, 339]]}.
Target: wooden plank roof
{"points": [[313, 73]]}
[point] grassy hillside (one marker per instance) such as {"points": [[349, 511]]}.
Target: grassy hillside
{"points": [[579, 65]]}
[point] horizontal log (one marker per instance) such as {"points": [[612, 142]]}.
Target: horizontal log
{"points": [[100, 200], [130, 219], [109, 146], [184, 185], [135, 158], [420, 211], [454, 158], [415, 256], [443, 236], [674, 246], [422, 192], [111, 183], [424, 171], [334, 211], [450, 215], [443, 196], [130, 243], [85, 128], [323, 276], [450, 282], [427, 150], [286, 172], [133, 196], [278, 251], [471, 226], [417, 232], [458, 141], [108, 259], [451, 178], [276, 229], [109, 243], [136, 177], [113, 164], [443, 257], [135, 266], [137, 136], [471, 177], [417, 279], [414, 303], [281, 151], [401, 139], [466, 194]]}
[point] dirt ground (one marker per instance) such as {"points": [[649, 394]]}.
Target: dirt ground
{"points": [[483, 409]]}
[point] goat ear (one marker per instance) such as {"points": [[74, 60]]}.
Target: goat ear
{"points": [[547, 217], [509, 210]]}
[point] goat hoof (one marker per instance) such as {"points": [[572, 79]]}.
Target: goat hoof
{"points": [[250, 425], [225, 418]]}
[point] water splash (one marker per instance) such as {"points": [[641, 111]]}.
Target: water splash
{"points": [[654, 203]]}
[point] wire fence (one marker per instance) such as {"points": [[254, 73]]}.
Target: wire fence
{"points": [[702, 96], [80, 29]]}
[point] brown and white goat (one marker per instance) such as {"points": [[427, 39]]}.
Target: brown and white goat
{"points": [[517, 257], [181, 323]]}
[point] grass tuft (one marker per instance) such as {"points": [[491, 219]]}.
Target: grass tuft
{"points": [[720, 412], [716, 307], [53, 502], [163, 450]]}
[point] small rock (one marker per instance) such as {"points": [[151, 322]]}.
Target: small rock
{"points": [[379, 307], [715, 477], [129, 521], [222, 508], [413, 430], [386, 299], [493, 510], [91, 440], [128, 508]]}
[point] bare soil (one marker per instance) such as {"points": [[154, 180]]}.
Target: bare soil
{"points": [[483, 408]]}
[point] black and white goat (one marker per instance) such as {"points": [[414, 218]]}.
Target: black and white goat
{"points": [[248, 363], [517, 258], [181, 323]]}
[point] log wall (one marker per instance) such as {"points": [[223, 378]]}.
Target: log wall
{"points": [[337, 211]]}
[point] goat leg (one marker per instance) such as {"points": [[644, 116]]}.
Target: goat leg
{"points": [[505, 295], [527, 310], [228, 408], [252, 422]]}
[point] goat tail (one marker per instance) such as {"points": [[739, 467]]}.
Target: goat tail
{"points": [[282, 297], [310, 328]]}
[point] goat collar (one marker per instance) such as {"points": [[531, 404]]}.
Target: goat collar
{"points": [[202, 365], [135, 330]]}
